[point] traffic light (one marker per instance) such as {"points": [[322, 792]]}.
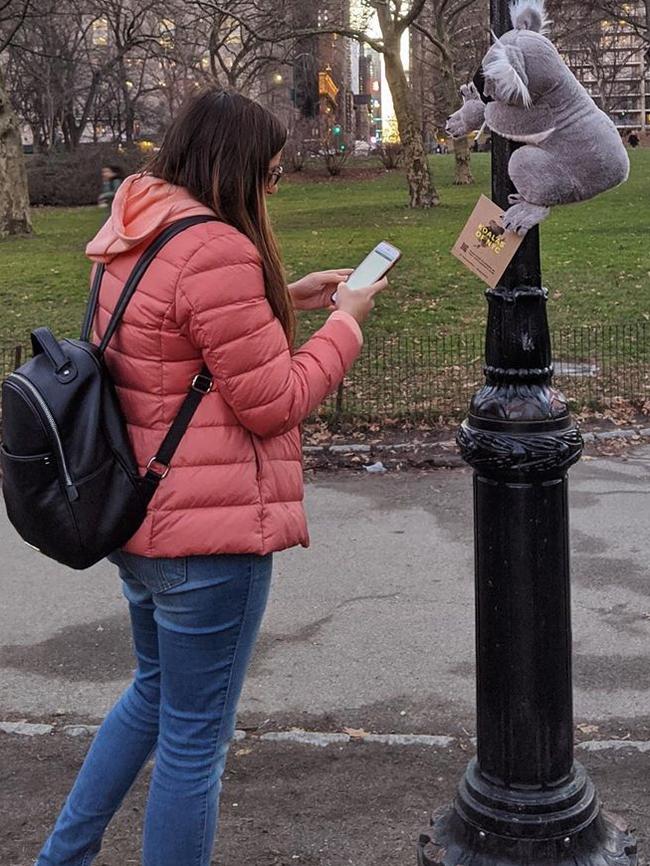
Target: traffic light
{"points": [[336, 129]]}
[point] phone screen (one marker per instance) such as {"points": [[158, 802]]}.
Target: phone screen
{"points": [[374, 266]]}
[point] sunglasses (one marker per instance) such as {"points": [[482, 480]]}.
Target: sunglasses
{"points": [[275, 175]]}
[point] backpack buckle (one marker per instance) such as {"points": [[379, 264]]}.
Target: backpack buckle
{"points": [[202, 383], [165, 467]]}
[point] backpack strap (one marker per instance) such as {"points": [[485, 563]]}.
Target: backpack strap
{"points": [[91, 307], [132, 282], [158, 466], [140, 269]]}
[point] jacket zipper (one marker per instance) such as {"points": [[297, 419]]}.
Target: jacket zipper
{"points": [[71, 490]]}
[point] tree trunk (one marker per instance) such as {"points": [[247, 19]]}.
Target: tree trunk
{"points": [[463, 157], [129, 123], [422, 192], [129, 108], [14, 194], [462, 153]]}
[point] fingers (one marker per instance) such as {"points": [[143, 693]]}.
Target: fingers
{"points": [[377, 287], [336, 274]]}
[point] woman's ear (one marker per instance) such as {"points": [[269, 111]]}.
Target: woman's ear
{"points": [[505, 70]]}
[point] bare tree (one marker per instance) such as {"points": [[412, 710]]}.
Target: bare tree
{"points": [[14, 193], [455, 30], [602, 43], [243, 39], [135, 29], [77, 53], [394, 21], [635, 14], [394, 17]]}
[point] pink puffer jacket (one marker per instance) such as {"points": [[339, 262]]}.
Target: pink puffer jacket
{"points": [[236, 481]]}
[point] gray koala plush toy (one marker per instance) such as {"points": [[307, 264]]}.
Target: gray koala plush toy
{"points": [[572, 150]]}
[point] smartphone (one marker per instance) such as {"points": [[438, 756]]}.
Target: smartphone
{"points": [[375, 266]]}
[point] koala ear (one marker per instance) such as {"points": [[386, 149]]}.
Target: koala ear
{"points": [[506, 70], [529, 15]]}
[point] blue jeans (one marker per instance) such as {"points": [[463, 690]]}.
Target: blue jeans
{"points": [[195, 621]]}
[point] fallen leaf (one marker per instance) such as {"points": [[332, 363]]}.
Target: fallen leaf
{"points": [[355, 733]]}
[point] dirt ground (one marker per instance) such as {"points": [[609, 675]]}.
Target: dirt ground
{"points": [[290, 805]]}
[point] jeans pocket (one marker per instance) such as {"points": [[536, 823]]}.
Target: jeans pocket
{"points": [[173, 572], [157, 574]]}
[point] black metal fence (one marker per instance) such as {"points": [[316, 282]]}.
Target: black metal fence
{"points": [[432, 377]]}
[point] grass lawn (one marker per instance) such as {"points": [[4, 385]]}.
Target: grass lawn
{"points": [[596, 256]]}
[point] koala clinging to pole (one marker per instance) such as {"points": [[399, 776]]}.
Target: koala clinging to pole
{"points": [[572, 149]]}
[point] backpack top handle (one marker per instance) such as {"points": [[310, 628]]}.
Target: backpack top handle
{"points": [[44, 342], [132, 282]]}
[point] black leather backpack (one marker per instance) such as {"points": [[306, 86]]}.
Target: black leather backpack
{"points": [[70, 481]]}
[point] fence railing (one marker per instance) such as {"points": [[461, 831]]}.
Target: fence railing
{"points": [[432, 377]]}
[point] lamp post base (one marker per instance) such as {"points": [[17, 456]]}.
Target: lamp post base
{"points": [[560, 826]]}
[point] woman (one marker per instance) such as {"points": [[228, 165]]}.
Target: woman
{"points": [[112, 178], [197, 573]]}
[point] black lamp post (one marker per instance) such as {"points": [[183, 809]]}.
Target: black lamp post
{"points": [[523, 799]]}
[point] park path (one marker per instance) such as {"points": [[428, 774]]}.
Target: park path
{"points": [[370, 629], [371, 626]]}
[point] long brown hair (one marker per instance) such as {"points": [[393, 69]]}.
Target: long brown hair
{"points": [[220, 147]]}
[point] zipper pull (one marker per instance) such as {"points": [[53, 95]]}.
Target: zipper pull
{"points": [[73, 493]]}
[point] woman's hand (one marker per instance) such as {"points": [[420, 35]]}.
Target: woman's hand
{"points": [[358, 302], [314, 292]]}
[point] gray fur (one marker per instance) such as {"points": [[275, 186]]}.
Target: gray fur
{"points": [[529, 15], [572, 150], [471, 116]]}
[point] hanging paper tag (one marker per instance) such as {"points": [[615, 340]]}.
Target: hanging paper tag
{"points": [[484, 246]]}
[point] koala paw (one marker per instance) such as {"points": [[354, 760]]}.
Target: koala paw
{"points": [[521, 217], [457, 125], [470, 117], [469, 92]]}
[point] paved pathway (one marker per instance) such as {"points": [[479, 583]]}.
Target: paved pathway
{"points": [[371, 626]]}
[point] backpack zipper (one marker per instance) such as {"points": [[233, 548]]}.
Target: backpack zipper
{"points": [[71, 490]]}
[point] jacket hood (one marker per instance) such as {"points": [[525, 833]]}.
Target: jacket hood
{"points": [[143, 206]]}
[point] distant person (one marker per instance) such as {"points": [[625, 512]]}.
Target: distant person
{"points": [[633, 139], [112, 178], [197, 573]]}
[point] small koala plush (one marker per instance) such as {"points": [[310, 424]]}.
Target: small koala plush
{"points": [[572, 149]]}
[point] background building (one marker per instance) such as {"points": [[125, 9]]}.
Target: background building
{"points": [[612, 62], [327, 80]]}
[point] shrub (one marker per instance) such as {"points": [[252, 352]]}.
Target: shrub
{"points": [[72, 179], [335, 153], [294, 155], [390, 154]]}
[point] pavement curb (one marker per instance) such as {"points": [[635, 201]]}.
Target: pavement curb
{"points": [[319, 739], [442, 454]]}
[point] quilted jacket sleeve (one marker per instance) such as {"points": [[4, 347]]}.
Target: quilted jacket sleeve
{"points": [[221, 306]]}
